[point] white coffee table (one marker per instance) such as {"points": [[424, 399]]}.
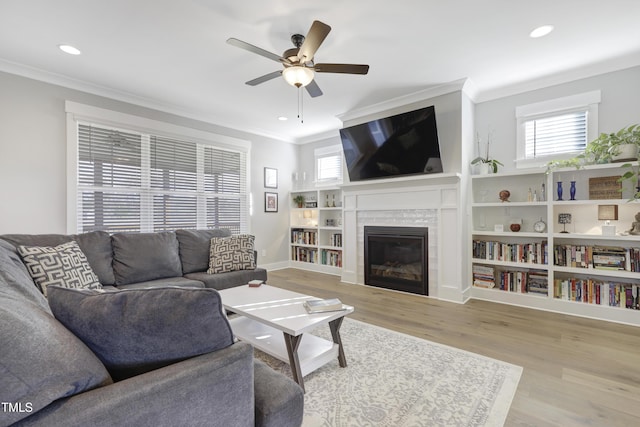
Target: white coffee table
{"points": [[275, 321]]}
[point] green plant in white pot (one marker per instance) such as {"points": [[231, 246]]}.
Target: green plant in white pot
{"points": [[486, 160], [618, 146]]}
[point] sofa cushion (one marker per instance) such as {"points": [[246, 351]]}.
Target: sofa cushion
{"points": [[135, 331], [145, 256], [230, 279], [194, 248], [41, 360], [63, 265], [231, 254], [17, 280], [175, 282], [96, 245]]}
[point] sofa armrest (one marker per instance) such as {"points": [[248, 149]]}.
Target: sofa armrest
{"points": [[279, 400], [214, 389]]}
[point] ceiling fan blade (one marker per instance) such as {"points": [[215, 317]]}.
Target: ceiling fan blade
{"points": [[316, 35], [313, 89], [264, 78], [255, 49], [341, 68]]}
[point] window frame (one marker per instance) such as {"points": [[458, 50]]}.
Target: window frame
{"points": [[325, 152], [587, 101], [80, 113]]}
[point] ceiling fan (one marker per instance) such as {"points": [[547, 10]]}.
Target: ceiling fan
{"points": [[298, 63]]}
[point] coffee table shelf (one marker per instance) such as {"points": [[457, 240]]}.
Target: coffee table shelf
{"points": [[313, 351], [275, 321]]}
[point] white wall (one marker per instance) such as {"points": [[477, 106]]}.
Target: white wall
{"points": [[620, 107], [33, 166]]}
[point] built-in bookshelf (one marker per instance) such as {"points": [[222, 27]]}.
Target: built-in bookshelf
{"points": [[315, 230], [557, 255]]}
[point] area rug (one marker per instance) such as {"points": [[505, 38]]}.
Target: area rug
{"points": [[393, 379]]}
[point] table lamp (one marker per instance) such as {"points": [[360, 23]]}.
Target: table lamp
{"points": [[608, 213], [564, 219]]}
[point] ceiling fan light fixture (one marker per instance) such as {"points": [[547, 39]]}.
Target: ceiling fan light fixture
{"points": [[297, 75]]}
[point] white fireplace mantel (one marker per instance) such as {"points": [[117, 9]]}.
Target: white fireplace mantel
{"points": [[426, 200]]}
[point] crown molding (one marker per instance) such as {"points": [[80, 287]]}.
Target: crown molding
{"points": [[117, 95], [430, 92]]}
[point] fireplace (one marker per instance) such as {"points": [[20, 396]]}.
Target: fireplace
{"points": [[396, 258]]}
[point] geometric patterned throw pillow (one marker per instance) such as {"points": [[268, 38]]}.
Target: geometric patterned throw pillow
{"points": [[64, 265], [231, 254]]}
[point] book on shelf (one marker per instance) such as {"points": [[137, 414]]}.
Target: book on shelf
{"points": [[598, 257], [598, 292], [323, 305], [483, 276], [537, 283], [529, 253], [609, 258]]}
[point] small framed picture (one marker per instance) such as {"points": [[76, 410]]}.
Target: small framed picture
{"points": [[270, 178], [498, 227], [271, 202]]}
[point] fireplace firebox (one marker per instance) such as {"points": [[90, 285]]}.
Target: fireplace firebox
{"points": [[396, 258]]}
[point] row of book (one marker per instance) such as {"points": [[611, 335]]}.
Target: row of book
{"points": [[534, 282], [532, 253], [600, 257], [331, 257], [304, 237], [304, 254], [613, 294], [335, 240]]}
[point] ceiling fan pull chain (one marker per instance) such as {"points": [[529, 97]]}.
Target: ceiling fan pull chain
{"points": [[300, 105]]}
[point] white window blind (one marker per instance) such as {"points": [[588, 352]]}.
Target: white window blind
{"points": [[329, 164], [563, 133], [133, 182]]}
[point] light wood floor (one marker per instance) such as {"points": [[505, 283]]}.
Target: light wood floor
{"points": [[577, 372]]}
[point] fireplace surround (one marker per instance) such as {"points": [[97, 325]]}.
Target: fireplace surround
{"points": [[396, 258]]}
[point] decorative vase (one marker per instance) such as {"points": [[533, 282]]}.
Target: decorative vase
{"points": [[485, 168], [559, 190], [515, 227], [572, 190]]}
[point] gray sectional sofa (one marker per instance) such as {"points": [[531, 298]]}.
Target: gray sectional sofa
{"points": [[142, 260], [153, 348]]}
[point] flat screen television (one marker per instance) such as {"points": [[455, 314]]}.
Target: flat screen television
{"points": [[404, 144]]}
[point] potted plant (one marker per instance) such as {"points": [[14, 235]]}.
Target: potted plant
{"points": [[615, 147], [620, 146], [299, 200], [490, 165], [606, 148]]}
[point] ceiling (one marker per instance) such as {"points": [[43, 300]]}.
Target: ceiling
{"points": [[172, 55]]}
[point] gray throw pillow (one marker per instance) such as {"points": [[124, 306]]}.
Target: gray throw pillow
{"points": [[194, 248], [135, 331], [231, 254], [63, 265]]}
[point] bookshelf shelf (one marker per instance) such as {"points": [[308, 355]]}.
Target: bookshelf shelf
{"points": [[533, 198], [323, 251]]}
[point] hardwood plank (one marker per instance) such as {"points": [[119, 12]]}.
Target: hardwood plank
{"points": [[577, 371]]}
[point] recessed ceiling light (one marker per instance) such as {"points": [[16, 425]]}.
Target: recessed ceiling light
{"points": [[69, 49], [283, 118], [541, 31]]}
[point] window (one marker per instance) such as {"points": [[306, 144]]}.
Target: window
{"points": [[328, 164], [556, 129], [141, 181]]}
